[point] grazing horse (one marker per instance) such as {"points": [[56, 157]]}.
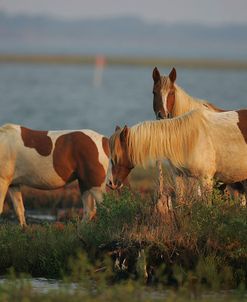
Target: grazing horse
{"points": [[170, 100], [202, 144], [50, 160]]}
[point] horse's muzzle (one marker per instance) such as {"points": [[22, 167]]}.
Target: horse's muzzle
{"points": [[159, 116], [114, 186]]}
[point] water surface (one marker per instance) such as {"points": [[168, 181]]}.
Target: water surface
{"points": [[65, 97]]}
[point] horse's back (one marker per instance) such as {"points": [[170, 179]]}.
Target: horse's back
{"points": [[39, 158], [228, 132]]}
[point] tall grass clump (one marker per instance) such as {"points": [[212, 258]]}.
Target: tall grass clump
{"points": [[38, 250], [206, 242], [116, 216]]}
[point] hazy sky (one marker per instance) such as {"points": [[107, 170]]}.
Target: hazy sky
{"points": [[203, 11]]}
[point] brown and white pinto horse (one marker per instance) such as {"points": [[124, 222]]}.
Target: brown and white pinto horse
{"points": [[50, 160], [202, 144], [170, 100]]}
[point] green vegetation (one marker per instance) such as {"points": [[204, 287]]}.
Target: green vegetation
{"points": [[130, 245], [37, 250], [207, 244]]}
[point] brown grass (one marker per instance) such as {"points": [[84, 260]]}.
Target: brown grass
{"points": [[131, 61]]}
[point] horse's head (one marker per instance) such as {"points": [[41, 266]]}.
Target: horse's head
{"points": [[164, 93], [120, 165]]}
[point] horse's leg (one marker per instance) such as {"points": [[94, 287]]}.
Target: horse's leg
{"points": [[16, 197], [89, 205], [4, 185], [243, 196], [97, 193], [237, 191]]}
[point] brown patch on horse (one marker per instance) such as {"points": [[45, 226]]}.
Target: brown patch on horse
{"points": [[37, 140], [242, 124], [76, 156], [105, 145], [170, 100], [157, 99], [121, 165]]}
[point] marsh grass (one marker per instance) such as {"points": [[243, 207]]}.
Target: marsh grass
{"points": [[37, 250], [209, 244], [129, 240], [89, 283]]}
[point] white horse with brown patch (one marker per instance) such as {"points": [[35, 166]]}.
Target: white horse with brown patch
{"points": [[202, 144], [170, 100], [50, 160]]}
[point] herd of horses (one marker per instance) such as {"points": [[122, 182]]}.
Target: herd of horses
{"points": [[198, 139]]}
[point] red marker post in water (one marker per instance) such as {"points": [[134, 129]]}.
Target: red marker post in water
{"points": [[100, 62]]}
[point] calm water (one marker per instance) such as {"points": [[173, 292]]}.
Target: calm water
{"points": [[65, 97]]}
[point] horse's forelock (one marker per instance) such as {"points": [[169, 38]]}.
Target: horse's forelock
{"points": [[115, 146]]}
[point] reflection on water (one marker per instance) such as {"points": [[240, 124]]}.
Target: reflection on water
{"points": [[41, 285], [44, 286], [39, 216], [65, 97]]}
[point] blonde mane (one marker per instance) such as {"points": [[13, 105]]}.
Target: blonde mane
{"points": [[185, 103], [169, 138]]}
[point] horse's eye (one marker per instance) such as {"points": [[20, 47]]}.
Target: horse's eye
{"points": [[112, 163], [153, 92]]}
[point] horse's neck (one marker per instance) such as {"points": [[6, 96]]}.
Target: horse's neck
{"points": [[185, 103], [171, 139]]}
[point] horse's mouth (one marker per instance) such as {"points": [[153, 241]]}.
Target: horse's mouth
{"points": [[112, 186]]}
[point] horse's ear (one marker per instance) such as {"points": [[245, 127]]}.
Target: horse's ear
{"points": [[173, 75], [156, 75], [117, 128], [124, 133]]}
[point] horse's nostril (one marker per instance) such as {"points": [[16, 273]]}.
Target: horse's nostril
{"points": [[109, 183], [118, 183], [159, 115]]}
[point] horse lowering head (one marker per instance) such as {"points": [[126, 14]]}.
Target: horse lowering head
{"points": [[120, 164], [164, 93]]}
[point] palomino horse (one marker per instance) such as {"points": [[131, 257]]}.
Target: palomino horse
{"points": [[170, 100], [202, 144], [50, 160]]}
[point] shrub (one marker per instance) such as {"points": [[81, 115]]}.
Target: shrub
{"points": [[115, 217], [38, 250]]}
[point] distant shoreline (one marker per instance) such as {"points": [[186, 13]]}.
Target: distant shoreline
{"points": [[129, 61]]}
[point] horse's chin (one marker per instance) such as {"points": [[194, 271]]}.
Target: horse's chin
{"points": [[120, 187]]}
